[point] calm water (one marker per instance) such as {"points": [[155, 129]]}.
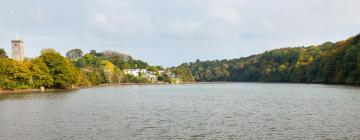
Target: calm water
{"points": [[198, 111]]}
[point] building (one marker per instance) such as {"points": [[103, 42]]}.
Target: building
{"points": [[153, 76], [17, 49], [135, 72], [143, 73]]}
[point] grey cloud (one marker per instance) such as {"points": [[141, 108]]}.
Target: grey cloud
{"points": [[168, 33]]}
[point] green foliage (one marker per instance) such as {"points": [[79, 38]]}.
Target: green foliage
{"points": [[48, 50], [62, 70], [74, 54], [40, 73], [116, 55], [154, 69], [82, 79], [99, 68], [183, 73], [337, 63], [14, 74], [94, 76], [51, 70], [106, 67], [3, 53]]}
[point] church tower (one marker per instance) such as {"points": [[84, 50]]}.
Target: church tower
{"points": [[17, 49]]}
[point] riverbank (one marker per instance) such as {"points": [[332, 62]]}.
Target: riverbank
{"points": [[25, 91], [20, 91]]}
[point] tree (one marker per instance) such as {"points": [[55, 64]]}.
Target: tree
{"points": [[94, 53], [86, 60], [82, 79], [116, 55], [41, 75], [74, 54], [327, 63], [109, 70], [3, 53], [14, 74], [154, 69], [52, 70], [62, 70], [48, 50], [184, 73], [118, 75], [137, 64]]}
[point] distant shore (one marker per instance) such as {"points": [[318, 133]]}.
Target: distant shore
{"points": [[27, 91]]}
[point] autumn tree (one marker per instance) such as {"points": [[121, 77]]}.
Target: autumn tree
{"points": [[14, 74], [48, 50], [109, 70], [62, 70], [40, 73]]}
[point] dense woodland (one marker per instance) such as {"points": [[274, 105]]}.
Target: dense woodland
{"points": [[333, 63], [52, 70]]}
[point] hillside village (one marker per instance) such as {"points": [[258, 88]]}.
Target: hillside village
{"points": [[153, 76], [52, 70]]}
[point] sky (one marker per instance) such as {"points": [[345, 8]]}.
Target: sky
{"points": [[171, 32]]}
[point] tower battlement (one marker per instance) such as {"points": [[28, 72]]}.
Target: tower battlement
{"points": [[17, 46]]}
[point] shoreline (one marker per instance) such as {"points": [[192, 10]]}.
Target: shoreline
{"points": [[25, 91], [28, 91]]}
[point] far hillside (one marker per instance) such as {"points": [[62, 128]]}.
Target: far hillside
{"points": [[333, 63]]}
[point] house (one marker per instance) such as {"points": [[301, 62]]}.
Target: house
{"points": [[141, 73], [134, 72], [152, 76]]}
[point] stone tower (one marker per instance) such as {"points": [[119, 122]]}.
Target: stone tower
{"points": [[17, 49]]}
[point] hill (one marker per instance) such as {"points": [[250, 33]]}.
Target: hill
{"points": [[334, 63], [51, 70]]}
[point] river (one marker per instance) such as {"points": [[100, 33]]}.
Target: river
{"points": [[189, 111]]}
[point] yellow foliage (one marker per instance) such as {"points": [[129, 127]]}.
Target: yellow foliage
{"points": [[282, 68], [311, 59], [109, 69], [109, 66]]}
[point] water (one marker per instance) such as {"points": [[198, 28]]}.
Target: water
{"points": [[195, 111]]}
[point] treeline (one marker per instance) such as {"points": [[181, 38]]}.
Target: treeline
{"points": [[106, 67], [52, 70], [335, 63]]}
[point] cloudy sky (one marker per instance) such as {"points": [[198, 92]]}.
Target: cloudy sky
{"points": [[169, 32]]}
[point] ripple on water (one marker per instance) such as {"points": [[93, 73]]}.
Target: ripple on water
{"points": [[198, 111]]}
